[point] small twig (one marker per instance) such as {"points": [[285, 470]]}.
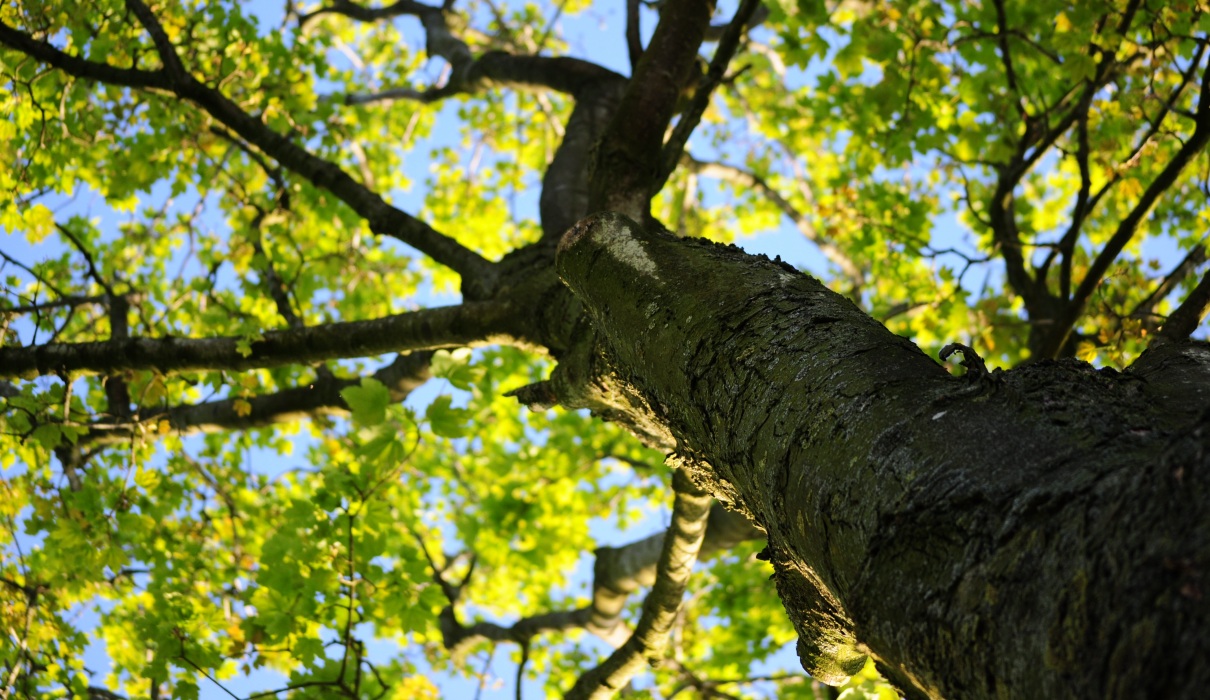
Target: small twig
{"points": [[970, 359], [202, 671]]}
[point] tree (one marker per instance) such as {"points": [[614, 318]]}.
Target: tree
{"points": [[1040, 528]]}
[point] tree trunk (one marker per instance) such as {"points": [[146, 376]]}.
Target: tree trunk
{"points": [[1036, 533]]}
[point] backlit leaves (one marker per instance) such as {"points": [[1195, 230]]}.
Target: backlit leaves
{"points": [[884, 129]]}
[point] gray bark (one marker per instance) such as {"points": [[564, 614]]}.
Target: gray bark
{"points": [[1042, 532]]}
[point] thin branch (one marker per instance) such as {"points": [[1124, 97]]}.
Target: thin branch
{"points": [[33, 273], [56, 304], [318, 397], [1192, 260], [369, 14], [472, 323], [1182, 322], [203, 671], [1039, 137], [689, 514], [1085, 204], [92, 266], [634, 40], [521, 667], [1016, 34], [407, 94], [715, 32], [116, 392], [1010, 75]]}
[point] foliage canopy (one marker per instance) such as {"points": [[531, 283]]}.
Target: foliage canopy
{"points": [[239, 239]]}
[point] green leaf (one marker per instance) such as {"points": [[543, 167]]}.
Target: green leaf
{"points": [[445, 420], [186, 689], [455, 366], [307, 650], [49, 435], [368, 402], [849, 61], [147, 478]]}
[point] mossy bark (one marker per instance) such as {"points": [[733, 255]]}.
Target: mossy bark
{"points": [[1043, 532]]}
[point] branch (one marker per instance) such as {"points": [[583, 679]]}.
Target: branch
{"points": [[522, 72], [467, 73], [439, 41], [689, 514], [369, 14], [1192, 260], [159, 38], [457, 637], [472, 323], [690, 118], [384, 219], [1038, 138], [565, 184], [319, 397], [617, 573], [634, 33], [560, 73], [1182, 322], [1129, 225], [79, 67], [620, 571], [629, 157], [564, 198]]}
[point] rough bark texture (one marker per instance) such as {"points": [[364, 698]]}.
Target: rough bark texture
{"points": [[1036, 533]]}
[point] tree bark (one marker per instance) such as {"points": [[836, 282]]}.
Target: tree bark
{"points": [[1042, 532]]}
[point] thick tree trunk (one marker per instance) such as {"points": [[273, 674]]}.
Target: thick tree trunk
{"points": [[1039, 533]]}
